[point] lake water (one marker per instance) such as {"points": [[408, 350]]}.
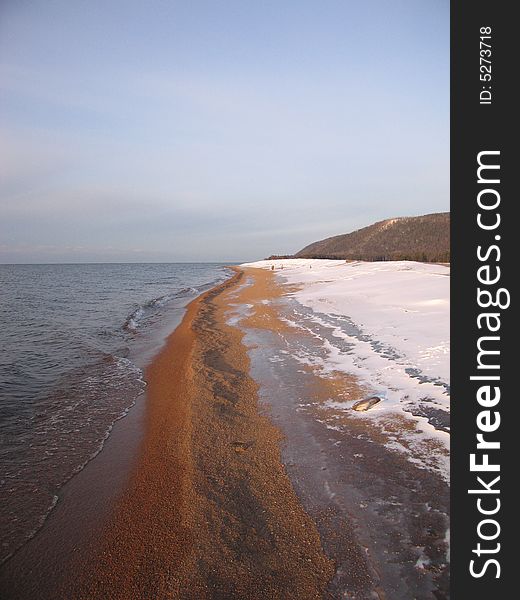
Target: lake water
{"points": [[74, 342]]}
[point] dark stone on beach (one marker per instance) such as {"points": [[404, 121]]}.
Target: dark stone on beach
{"points": [[242, 446], [366, 404]]}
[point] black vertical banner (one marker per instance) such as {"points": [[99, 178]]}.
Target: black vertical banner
{"points": [[484, 232]]}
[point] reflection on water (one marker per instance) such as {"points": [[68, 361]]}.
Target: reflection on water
{"points": [[72, 339]]}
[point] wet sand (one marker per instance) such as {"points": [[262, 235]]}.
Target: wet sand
{"points": [[382, 518], [209, 511], [240, 492]]}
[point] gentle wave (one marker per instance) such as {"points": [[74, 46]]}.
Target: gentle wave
{"points": [[145, 310], [68, 372], [61, 440]]}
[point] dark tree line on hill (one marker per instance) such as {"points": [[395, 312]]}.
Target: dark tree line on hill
{"points": [[425, 239]]}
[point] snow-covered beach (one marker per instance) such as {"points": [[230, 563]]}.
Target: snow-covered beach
{"points": [[403, 304], [385, 323], [324, 336]]}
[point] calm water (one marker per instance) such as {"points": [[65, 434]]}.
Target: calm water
{"points": [[74, 339]]}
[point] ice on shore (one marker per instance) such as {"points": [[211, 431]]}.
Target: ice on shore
{"points": [[402, 304], [386, 323]]}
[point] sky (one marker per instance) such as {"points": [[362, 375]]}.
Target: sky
{"points": [[222, 130]]}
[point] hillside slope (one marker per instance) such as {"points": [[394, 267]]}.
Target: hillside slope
{"points": [[425, 238]]}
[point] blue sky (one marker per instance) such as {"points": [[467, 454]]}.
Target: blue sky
{"points": [[216, 130]]}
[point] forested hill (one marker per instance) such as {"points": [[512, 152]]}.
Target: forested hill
{"points": [[425, 238]]}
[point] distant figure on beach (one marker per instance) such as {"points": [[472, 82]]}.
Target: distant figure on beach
{"points": [[272, 267]]}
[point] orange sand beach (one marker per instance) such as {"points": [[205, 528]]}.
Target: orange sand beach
{"points": [[239, 492]]}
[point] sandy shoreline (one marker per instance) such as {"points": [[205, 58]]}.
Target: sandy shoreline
{"points": [[206, 512], [382, 514], [238, 491]]}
